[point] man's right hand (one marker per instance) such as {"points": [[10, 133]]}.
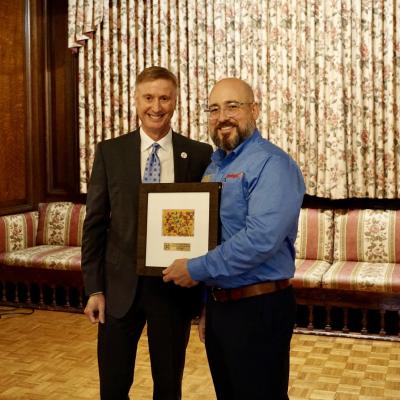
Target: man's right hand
{"points": [[95, 307]]}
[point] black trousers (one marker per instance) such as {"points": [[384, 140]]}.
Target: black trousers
{"points": [[248, 344], [168, 330]]}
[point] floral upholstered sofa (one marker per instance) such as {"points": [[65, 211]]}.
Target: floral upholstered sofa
{"points": [[40, 257], [348, 269], [347, 278]]}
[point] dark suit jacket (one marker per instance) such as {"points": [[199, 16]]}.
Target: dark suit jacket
{"points": [[110, 229]]}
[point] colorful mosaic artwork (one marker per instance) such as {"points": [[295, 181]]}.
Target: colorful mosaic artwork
{"points": [[177, 222]]}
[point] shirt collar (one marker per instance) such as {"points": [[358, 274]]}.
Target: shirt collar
{"points": [[146, 141], [220, 156]]}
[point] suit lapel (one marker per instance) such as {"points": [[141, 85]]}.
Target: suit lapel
{"points": [[132, 157], [181, 158]]}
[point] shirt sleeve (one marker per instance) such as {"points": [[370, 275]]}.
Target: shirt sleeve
{"points": [[274, 201]]}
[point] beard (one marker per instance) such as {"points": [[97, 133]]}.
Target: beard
{"points": [[233, 140]]}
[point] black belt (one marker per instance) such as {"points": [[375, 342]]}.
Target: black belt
{"points": [[223, 295]]}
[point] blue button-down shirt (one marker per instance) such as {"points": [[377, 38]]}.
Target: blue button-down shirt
{"points": [[262, 192]]}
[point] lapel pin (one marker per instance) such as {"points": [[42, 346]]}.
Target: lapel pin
{"points": [[183, 154]]}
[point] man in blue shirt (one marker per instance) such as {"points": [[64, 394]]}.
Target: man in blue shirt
{"points": [[248, 320]]}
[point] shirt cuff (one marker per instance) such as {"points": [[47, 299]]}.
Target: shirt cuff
{"points": [[197, 269]]}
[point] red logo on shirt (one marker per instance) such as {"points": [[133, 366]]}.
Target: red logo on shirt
{"points": [[234, 176]]}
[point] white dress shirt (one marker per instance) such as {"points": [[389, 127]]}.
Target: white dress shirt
{"points": [[165, 154]]}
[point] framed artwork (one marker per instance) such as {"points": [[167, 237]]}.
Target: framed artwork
{"points": [[176, 220]]}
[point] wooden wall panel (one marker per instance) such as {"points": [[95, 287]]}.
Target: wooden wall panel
{"points": [[15, 160], [38, 122], [61, 120]]}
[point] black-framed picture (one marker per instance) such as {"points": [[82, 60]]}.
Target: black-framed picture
{"points": [[176, 220]]}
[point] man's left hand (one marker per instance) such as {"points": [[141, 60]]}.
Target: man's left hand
{"points": [[178, 273]]}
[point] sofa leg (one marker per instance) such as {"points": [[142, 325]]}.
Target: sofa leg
{"points": [[328, 326], [67, 303], [364, 329], [80, 299], [345, 321], [398, 329], [3, 291], [310, 325], [53, 296], [16, 294], [41, 297], [382, 332], [28, 294]]}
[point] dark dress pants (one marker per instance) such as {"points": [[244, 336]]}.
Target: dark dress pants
{"points": [[248, 344], [168, 330]]}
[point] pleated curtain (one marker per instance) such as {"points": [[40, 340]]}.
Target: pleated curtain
{"points": [[325, 72]]}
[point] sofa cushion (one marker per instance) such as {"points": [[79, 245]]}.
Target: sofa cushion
{"points": [[45, 256], [60, 223], [18, 231], [315, 235], [363, 276], [367, 235], [309, 273]]}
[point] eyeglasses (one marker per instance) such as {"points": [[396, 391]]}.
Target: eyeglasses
{"points": [[230, 109]]}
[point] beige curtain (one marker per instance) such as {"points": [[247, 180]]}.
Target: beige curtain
{"points": [[326, 73]]}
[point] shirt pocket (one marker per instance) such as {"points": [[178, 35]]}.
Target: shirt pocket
{"points": [[233, 199]]}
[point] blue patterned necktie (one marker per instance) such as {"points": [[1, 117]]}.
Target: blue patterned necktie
{"points": [[152, 170]]}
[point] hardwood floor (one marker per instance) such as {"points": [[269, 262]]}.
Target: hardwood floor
{"points": [[52, 356]]}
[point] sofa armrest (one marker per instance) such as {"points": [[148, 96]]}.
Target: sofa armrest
{"points": [[60, 223], [315, 235], [18, 231]]}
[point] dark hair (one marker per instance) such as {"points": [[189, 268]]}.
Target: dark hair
{"points": [[153, 73]]}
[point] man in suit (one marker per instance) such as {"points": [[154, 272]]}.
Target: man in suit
{"points": [[119, 300]]}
